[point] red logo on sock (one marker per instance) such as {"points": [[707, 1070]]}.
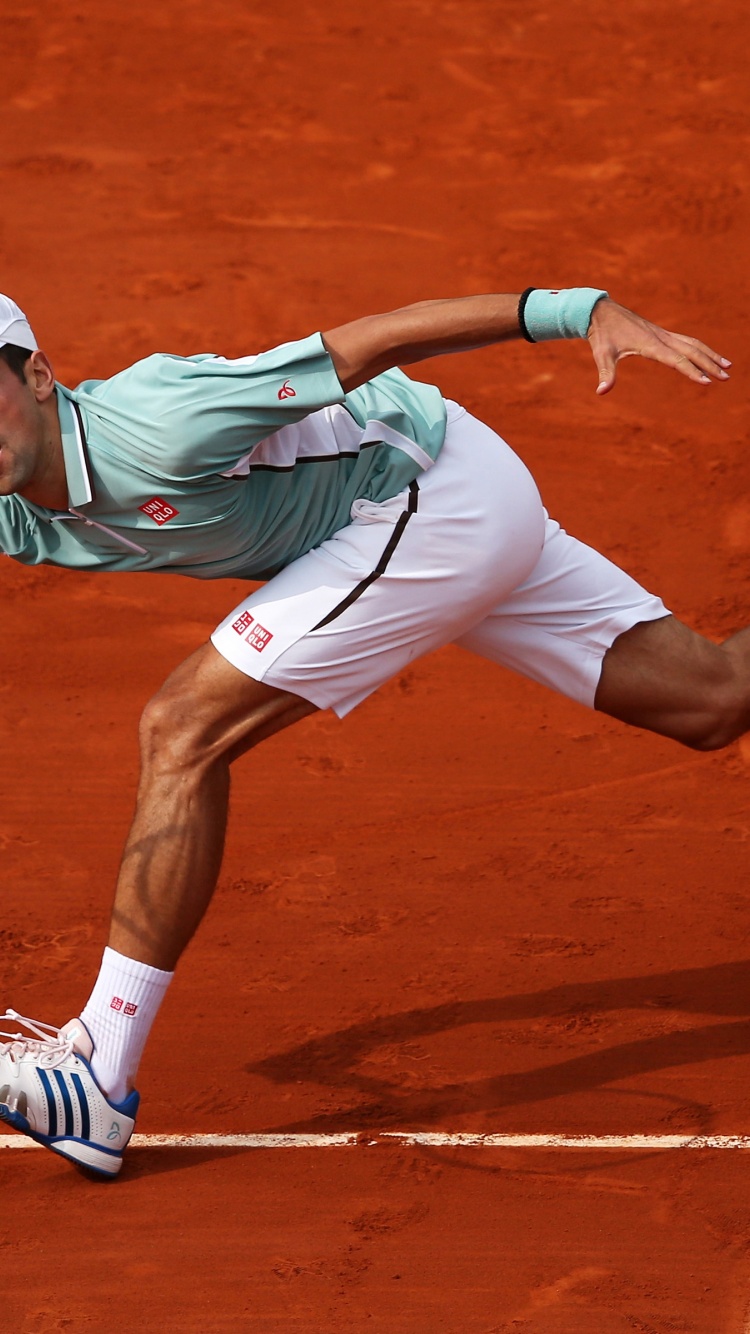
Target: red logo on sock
{"points": [[130, 1008], [116, 1003]]}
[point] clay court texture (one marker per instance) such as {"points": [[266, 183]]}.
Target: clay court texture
{"points": [[473, 908]]}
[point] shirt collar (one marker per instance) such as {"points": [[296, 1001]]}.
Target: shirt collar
{"points": [[75, 457]]}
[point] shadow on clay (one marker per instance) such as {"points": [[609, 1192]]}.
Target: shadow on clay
{"points": [[334, 1061]]}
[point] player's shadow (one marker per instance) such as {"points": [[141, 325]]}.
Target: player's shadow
{"points": [[336, 1060]]}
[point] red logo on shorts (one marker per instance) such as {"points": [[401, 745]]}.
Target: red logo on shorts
{"points": [[159, 510], [116, 1003], [259, 638], [130, 1008], [286, 391], [242, 623]]}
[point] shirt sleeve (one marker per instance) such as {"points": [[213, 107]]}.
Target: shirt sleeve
{"points": [[17, 531], [192, 417]]}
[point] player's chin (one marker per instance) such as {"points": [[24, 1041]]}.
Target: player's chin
{"points": [[9, 483]]}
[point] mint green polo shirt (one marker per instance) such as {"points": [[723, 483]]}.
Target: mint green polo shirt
{"points": [[215, 468]]}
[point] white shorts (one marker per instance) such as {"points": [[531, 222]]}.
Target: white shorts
{"points": [[465, 555]]}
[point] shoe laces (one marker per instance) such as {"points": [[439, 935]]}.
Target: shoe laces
{"points": [[48, 1045]]}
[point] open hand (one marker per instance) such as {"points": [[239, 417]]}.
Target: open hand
{"points": [[615, 333]]}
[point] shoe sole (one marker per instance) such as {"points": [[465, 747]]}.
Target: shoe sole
{"points": [[105, 1162]]}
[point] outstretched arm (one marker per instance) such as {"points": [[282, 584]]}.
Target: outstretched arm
{"points": [[368, 346]]}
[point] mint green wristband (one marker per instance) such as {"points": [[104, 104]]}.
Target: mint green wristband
{"points": [[565, 314]]}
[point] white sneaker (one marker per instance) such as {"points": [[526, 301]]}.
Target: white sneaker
{"points": [[48, 1091]]}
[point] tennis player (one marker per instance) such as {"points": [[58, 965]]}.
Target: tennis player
{"points": [[384, 521]]}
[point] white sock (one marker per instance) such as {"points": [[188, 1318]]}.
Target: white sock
{"points": [[118, 1015]]}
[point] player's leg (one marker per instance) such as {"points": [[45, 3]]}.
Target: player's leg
{"points": [[665, 677], [72, 1089], [204, 717], [582, 626]]}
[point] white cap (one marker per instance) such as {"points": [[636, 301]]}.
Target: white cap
{"points": [[14, 326]]}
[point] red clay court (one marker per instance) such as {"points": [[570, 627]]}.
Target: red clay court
{"points": [[473, 907]]}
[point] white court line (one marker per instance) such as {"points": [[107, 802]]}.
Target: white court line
{"points": [[431, 1139]]}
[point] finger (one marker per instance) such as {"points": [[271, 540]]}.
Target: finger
{"points": [[702, 348], [682, 354], [707, 361], [606, 364], [686, 366], [680, 361]]}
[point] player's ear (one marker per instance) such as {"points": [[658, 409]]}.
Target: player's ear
{"points": [[40, 376]]}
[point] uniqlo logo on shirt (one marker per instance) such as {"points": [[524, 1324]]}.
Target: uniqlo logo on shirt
{"points": [[130, 1008], [159, 510], [116, 1003], [259, 638], [243, 623]]}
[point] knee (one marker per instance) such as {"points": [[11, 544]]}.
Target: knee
{"points": [[170, 734], [722, 714], [665, 677]]}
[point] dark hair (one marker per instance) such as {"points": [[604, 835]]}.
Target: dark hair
{"points": [[15, 359]]}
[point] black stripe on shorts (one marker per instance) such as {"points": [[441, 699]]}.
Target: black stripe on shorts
{"points": [[382, 564]]}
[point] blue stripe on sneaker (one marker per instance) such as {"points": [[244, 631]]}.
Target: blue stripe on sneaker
{"points": [[83, 1103], [51, 1105], [67, 1104]]}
